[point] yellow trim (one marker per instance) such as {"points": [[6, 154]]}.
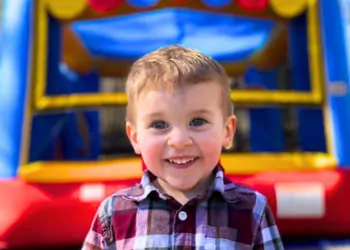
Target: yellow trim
{"points": [[41, 47], [26, 128], [328, 130], [68, 172], [314, 49], [123, 169], [110, 99], [274, 97], [81, 100], [28, 111]]}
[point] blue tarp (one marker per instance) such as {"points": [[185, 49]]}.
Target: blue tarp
{"points": [[225, 37]]}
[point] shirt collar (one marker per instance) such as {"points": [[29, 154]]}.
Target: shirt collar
{"points": [[146, 187]]}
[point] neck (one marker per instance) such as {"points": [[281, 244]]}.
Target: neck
{"points": [[183, 196]]}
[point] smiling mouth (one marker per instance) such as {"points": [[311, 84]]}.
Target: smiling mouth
{"points": [[182, 161]]}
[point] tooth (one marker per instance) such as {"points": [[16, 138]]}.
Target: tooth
{"points": [[181, 161]]}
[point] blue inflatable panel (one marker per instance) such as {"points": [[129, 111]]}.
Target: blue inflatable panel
{"points": [[337, 62], [132, 36], [14, 55]]}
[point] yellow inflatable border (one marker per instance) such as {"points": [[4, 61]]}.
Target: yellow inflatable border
{"points": [[122, 169], [61, 172]]}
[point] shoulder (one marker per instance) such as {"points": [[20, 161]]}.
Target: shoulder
{"points": [[120, 207], [121, 200], [245, 197]]}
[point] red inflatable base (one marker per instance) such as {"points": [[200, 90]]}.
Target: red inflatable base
{"points": [[45, 215], [311, 204]]}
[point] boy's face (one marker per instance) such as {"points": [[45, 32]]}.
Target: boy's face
{"points": [[180, 135]]}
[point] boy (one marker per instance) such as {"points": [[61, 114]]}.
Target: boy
{"points": [[179, 117]]}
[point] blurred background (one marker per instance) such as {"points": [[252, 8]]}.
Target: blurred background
{"points": [[63, 147]]}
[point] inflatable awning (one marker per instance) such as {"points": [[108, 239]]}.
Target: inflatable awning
{"points": [[68, 9], [225, 37]]}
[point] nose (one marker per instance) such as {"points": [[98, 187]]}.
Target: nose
{"points": [[179, 139]]}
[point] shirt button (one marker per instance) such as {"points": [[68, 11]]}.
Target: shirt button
{"points": [[182, 216]]}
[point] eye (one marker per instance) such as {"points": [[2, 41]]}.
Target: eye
{"points": [[159, 125], [198, 122]]}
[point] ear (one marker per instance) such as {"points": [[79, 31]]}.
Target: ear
{"points": [[132, 134], [229, 132]]}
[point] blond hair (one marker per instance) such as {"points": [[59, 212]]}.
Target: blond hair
{"points": [[171, 68]]}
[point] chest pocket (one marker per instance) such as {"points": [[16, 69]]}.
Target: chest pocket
{"points": [[211, 237]]}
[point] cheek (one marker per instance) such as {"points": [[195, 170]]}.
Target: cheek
{"points": [[210, 143], [151, 146]]}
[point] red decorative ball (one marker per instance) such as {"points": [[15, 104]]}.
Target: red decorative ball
{"points": [[104, 5], [181, 1], [253, 5]]}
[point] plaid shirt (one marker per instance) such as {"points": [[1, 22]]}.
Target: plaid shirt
{"points": [[229, 216]]}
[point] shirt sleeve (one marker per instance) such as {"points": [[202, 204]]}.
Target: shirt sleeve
{"points": [[100, 235], [268, 236]]}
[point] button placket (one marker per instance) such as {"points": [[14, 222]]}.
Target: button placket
{"points": [[180, 217]]}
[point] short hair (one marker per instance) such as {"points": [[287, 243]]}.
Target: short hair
{"points": [[171, 68]]}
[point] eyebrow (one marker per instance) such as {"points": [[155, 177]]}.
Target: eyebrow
{"points": [[160, 114], [152, 115], [202, 112]]}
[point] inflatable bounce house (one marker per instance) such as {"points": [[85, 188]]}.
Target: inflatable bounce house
{"points": [[62, 144]]}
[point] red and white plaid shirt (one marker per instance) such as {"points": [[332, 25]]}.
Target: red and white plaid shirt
{"points": [[230, 216]]}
